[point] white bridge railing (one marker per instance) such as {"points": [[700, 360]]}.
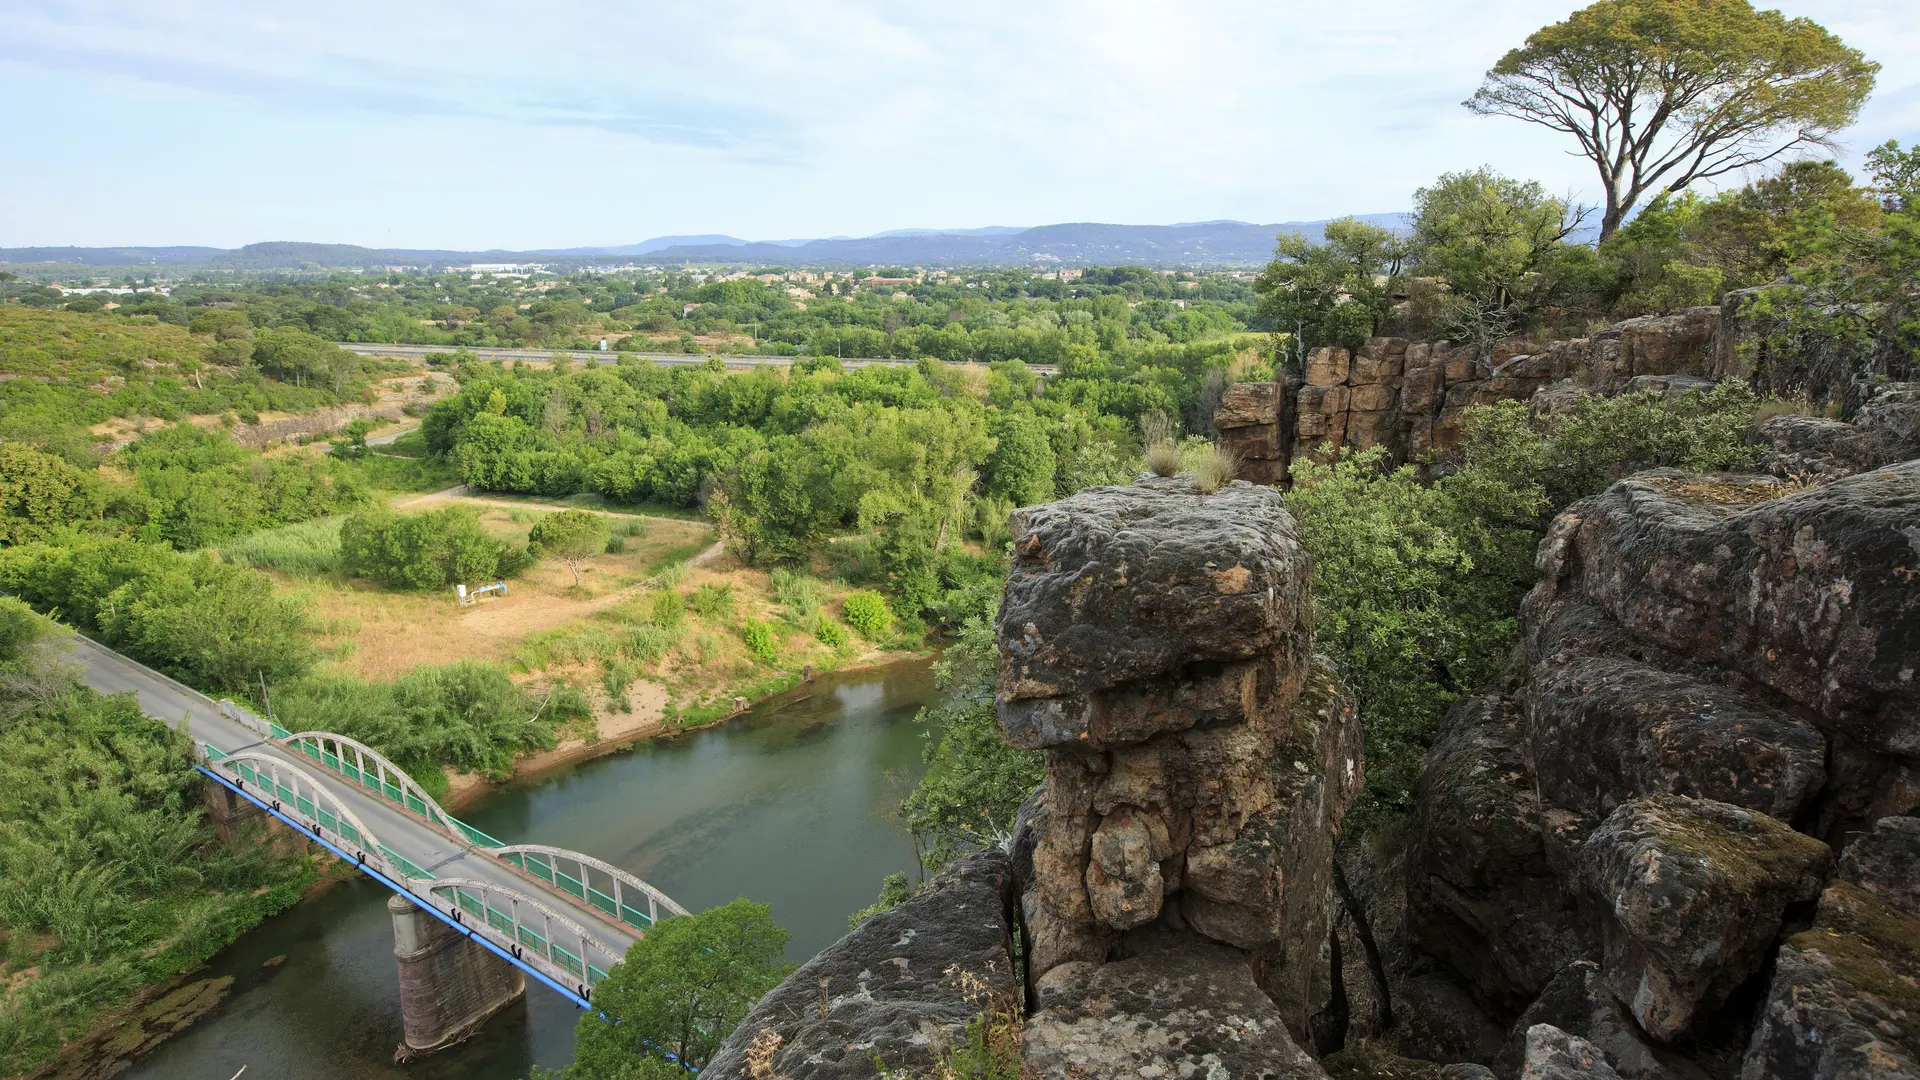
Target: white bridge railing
{"points": [[520, 924]]}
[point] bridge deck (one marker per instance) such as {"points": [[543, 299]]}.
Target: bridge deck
{"points": [[407, 835]]}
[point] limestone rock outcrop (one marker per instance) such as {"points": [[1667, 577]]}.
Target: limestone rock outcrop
{"points": [[1579, 1002], [1843, 1003], [1692, 894], [893, 993], [1156, 642], [1806, 600], [1553, 1054], [1481, 895]]}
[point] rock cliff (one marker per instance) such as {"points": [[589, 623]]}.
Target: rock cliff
{"points": [[1157, 643], [1632, 839], [1409, 396]]}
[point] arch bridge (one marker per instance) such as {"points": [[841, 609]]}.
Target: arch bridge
{"points": [[563, 917]]}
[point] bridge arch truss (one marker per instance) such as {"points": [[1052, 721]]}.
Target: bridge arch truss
{"points": [[600, 885], [367, 767], [531, 930], [293, 791]]}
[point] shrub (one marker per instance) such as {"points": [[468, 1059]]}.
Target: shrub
{"points": [[867, 612], [645, 644], [760, 640], [616, 545], [669, 611], [202, 621], [571, 536], [425, 551], [1163, 459], [670, 575], [830, 632], [468, 714], [713, 602]]}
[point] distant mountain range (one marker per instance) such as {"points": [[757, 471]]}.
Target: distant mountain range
{"points": [[1204, 243]]}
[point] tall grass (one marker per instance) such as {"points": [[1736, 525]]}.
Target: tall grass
{"points": [[306, 549], [799, 593]]}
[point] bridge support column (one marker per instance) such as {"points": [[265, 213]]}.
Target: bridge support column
{"points": [[449, 986], [227, 809]]}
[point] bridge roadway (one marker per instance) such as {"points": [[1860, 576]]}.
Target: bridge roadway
{"points": [[581, 930], [596, 356]]}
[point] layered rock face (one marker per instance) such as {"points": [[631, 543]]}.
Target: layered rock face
{"points": [[1156, 643], [1170, 882], [1633, 837], [1409, 396]]}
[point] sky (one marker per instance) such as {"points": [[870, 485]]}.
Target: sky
{"points": [[481, 124]]}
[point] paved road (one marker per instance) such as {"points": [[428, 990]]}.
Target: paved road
{"points": [[595, 356], [409, 836]]}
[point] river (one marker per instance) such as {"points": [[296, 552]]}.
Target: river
{"points": [[788, 805]]}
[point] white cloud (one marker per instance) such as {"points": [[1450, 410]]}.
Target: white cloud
{"points": [[486, 123]]}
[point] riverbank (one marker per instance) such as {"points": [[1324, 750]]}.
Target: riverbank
{"points": [[653, 715], [158, 1011]]}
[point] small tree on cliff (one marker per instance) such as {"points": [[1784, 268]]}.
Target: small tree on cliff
{"points": [[1334, 292], [1660, 93]]}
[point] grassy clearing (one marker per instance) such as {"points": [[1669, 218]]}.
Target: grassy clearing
{"points": [[304, 550]]}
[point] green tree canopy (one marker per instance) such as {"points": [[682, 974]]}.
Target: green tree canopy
{"points": [[1500, 244], [1333, 292], [572, 536], [40, 493], [1661, 93], [681, 990]]}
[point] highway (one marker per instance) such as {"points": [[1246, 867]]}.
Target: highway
{"points": [[421, 352], [403, 833]]}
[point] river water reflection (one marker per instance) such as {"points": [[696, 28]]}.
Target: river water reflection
{"points": [[788, 805]]}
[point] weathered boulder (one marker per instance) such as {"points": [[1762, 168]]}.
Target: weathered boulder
{"points": [[1886, 862], [895, 991], [1481, 895], [1117, 584], [1692, 894], [1603, 730], [1553, 1054], [1844, 1003], [1579, 1003], [1191, 1011], [1808, 595]]}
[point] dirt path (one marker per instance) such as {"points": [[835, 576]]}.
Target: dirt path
{"points": [[708, 554], [463, 493]]}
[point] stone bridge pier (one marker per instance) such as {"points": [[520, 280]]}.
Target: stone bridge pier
{"points": [[226, 810], [449, 986]]}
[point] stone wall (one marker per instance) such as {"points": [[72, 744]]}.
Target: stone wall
{"points": [[1408, 396]]}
